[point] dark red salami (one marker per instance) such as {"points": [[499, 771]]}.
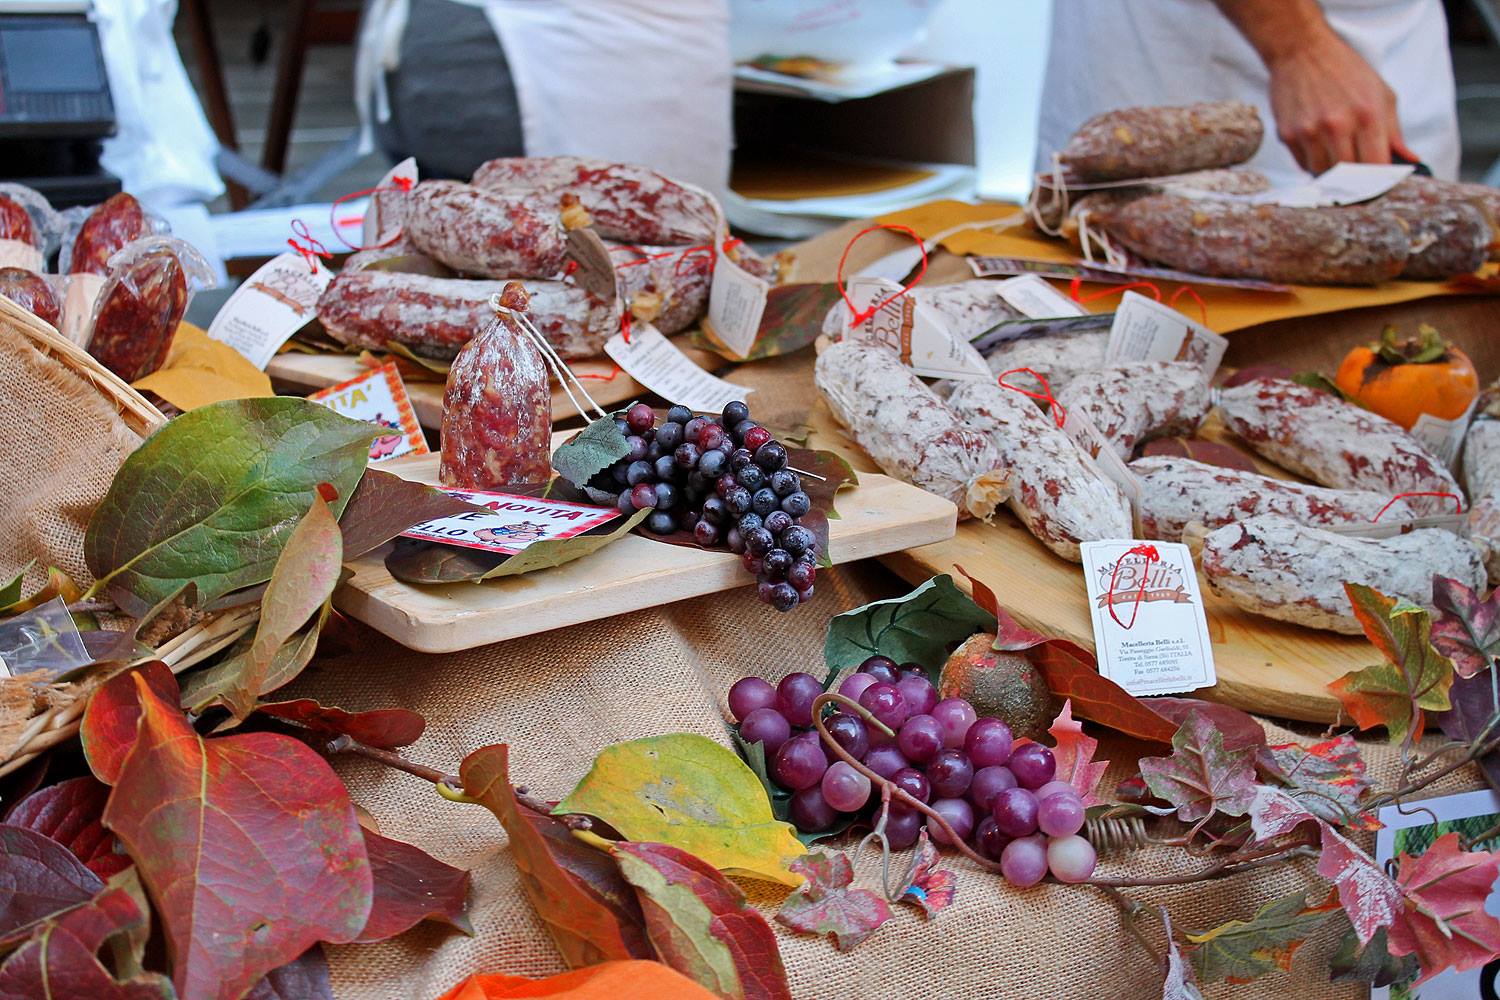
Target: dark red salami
{"points": [[137, 314], [31, 292], [663, 286], [15, 222], [1155, 141], [479, 231], [111, 225]]}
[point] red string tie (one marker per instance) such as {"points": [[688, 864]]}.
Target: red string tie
{"points": [[1059, 414], [1458, 503], [311, 250], [860, 318], [1150, 555]]}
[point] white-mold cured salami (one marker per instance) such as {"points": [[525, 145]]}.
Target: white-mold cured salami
{"points": [[478, 231], [1139, 400], [1482, 480]]}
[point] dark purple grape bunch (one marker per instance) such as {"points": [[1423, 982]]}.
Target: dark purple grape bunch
{"points": [[725, 479], [1001, 796]]}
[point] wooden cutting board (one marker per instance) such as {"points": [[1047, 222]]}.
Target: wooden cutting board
{"points": [[877, 517]]}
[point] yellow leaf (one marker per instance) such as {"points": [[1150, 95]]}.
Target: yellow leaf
{"points": [[200, 370], [688, 791]]}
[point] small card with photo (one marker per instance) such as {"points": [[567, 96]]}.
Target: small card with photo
{"points": [[509, 522]]}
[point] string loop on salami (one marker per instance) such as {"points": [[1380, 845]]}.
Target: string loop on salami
{"points": [[858, 318], [1149, 554], [1059, 414], [311, 250], [1458, 503], [398, 184], [560, 369], [1075, 290], [1192, 293]]}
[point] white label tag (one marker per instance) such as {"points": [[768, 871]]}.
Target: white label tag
{"points": [[1147, 330], [19, 253], [1098, 449], [736, 303], [1035, 298], [512, 522], [1156, 639], [379, 397], [1341, 184], [78, 306], [1444, 438], [914, 331], [376, 231], [4, 670], [656, 363], [273, 303]]}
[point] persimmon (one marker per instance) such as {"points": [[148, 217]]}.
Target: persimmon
{"points": [[1403, 379]]}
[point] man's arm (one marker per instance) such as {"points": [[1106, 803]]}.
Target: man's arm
{"points": [[1330, 105]]}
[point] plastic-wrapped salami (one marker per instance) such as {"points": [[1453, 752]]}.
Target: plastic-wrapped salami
{"points": [[664, 286], [31, 292], [479, 231], [1139, 400], [1057, 491], [626, 202], [497, 408], [435, 317], [1329, 441], [1276, 567], [908, 431], [1481, 469], [137, 311], [1178, 492], [1358, 245], [106, 230], [1155, 141]]}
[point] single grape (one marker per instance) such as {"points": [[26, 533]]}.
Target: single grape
{"points": [[1015, 811], [797, 504], [669, 436], [697, 486], [960, 816], [796, 539], [624, 503], [785, 482], [885, 761], [765, 725], [903, 828], [912, 668], [795, 696], [643, 495], [884, 701], [706, 533], [734, 540], [799, 764], [712, 464], [686, 455], [749, 522], [693, 428], [687, 519], [713, 509], [737, 501], [810, 811], [755, 437], [920, 695], [763, 591], [1052, 788], [920, 738], [988, 742], [659, 522], [738, 459], [666, 496], [778, 561], [1072, 859], [955, 715], [801, 576], [724, 484], [752, 477], [988, 839], [950, 773], [734, 412], [1060, 815], [770, 456], [844, 788], [620, 473], [1033, 765], [777, 522], [763, 501], [638, 447], [711, 436], [679, 414], [854, 685], [783, 597], [804, 595], [622, 426], [849, 732], [749, 693], [751, 562], [989, 782], [882, 668], [1024, 861], [665, 467], [640, 418], [913, 783], [758, 541], [653, 451]]}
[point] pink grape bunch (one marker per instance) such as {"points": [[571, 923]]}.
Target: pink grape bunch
{"points": [[1000, 795]]}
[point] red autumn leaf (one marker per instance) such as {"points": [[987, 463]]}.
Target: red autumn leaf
{"points": [[931, 888], [411, 886], [1201, 777], [1443, 920], [1074, 753], [69, 812], [60, 960], [589, 909], [1328, 778], [113, 715], [1239, 728], [1472, 706], [701, 924], [303, 978], [982, 594], [1414, 676], [386, 728], [40, 877], [1208, 452], [248, 845], [825, 904], [1466, 629]]}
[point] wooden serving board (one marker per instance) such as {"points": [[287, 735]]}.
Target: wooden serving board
{"points": [[294, 371], [877, 517]]}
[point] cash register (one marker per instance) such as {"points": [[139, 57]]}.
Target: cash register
{"points": [[55, 106]]}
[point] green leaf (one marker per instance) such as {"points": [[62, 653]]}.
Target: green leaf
{"points": [[413, 561], [1242, 950], [591, 451], [11, 592], [1414, 677], [215, 685], [918, 627], [213, 495]]}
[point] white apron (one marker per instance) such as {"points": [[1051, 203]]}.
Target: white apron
{"points": [[625, 80], [1119, 53]]}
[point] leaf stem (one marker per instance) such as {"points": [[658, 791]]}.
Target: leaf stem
{"points": [[449, 786]]}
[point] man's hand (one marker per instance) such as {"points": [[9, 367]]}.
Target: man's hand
{"points": [[1329, 104]]}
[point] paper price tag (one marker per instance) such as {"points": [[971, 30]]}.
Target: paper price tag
{"points": [[913, 331], [509, 523], [1147, 330], [379, 227], [1444, 438], [4, 670], [19, 253], [78, 306], [1341, 184], [736, 303], [1159, 644], [656, 363], [1035, 298], [379, 397], [273, 303]]}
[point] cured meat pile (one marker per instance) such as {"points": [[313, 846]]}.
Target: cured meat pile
{"points": [[1191, 207], [512, 222]]}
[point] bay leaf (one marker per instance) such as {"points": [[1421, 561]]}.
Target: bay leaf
{"points": [[384, 505]]}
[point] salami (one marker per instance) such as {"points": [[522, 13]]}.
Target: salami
{"points": [[1451, 234], [1055, 211], [666, 287], [15, 222], [1056, 489], [1276, 567], [113, 223], [137, 314], [31, 292], [478, 231], [1429, 192], [1155, 141], [1334, 443], [497, 408], [1059, 357], [907, 430], [1139, 400], [1482, 480], [966, 308], [1177, 492], [626, 202], [1359, 245], [435, 317]]}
